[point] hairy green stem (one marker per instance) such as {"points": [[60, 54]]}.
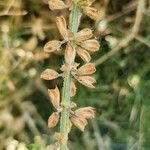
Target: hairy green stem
{"points": [[64, 121]]}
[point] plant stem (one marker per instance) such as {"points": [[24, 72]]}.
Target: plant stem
{"points": [[64, 121]]}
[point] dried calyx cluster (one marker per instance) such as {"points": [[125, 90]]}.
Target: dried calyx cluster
{"points": [[80, 43]]}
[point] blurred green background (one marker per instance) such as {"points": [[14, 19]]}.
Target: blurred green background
{"points": [[122, 93]]}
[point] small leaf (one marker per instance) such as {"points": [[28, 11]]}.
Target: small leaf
{"points": [[49, 74], [54, 95], [53, 120]]}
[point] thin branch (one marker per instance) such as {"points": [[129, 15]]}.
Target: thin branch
{"points": [[124, 42]]}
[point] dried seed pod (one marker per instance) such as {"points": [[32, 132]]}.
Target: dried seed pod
{"points": [[62, 27], [87, 81], [87, 69], [54, 95], [73, 89], [53, 120], [79, 122], [57, 136], [56, 4], [49, 74], [85, 56], [86, 112], [69, 54], [83, 35], [52, 46], [90, 45], [91, 12]]}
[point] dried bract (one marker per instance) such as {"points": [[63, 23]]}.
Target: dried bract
{"points": [[52, 46], [69, 54], [86, 112], [90, 45], [83, 35], [49, 74], [91, 12], [73, 89], [87, 81], [54, 95], [62, 27], [56, 4], [53, 120], [79, 122], [85, 56], [57, 136], [87, 69]]}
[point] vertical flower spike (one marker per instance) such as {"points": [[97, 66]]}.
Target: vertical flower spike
{"points": [[54, 95], [62, 27], [75, 42]]}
